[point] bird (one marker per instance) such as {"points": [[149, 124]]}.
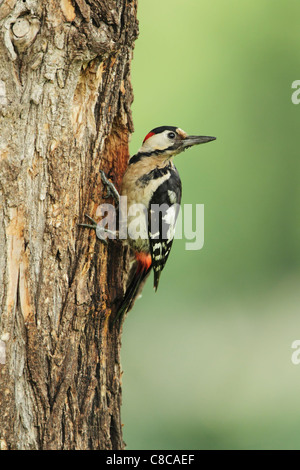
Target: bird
{"points": [[152, 186]]}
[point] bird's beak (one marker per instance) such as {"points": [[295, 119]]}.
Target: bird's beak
{"points": [[191, 140]]}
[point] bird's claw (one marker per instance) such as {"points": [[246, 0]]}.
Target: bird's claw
{"points": [[111, 190], [98, 229]]}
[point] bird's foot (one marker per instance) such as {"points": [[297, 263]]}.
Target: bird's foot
{"points": [[101, 232], [111, 190]]}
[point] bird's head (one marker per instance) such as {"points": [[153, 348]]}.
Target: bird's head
{"points": [[169, 141]]}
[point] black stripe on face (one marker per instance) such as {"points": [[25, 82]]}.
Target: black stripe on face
{"points": [[136, 158]]}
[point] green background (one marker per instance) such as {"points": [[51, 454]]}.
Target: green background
{"points": [[207, 359]]}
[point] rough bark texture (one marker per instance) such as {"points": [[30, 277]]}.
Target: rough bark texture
{"points": [[65, 99]]}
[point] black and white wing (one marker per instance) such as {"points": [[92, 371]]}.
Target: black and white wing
{"points": [[162, 216]]}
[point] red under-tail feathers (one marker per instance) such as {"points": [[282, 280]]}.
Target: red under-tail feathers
{"points": [[143, 268]]}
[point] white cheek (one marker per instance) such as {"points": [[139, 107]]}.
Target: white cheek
{"points": [[156, 142]]}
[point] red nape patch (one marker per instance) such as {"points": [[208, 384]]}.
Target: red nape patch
{"points": [[148, 135], [144, 260]]}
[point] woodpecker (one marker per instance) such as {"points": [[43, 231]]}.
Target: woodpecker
{"points": [[152, 181]]}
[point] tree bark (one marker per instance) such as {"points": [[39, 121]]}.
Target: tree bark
{"points": [[65, 97]]}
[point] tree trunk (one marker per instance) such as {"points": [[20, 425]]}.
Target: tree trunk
{"points": [[65, 99]]}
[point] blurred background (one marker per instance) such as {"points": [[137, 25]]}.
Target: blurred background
{"points": [[207, 359]]}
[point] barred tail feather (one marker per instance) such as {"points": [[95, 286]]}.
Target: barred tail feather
{"points": [[156, 278]]}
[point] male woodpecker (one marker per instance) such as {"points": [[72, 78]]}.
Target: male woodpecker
{"points": [[152, 180]]}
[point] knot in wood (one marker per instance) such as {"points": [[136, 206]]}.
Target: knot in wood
{"points": [[24, 31], [21, 27]]}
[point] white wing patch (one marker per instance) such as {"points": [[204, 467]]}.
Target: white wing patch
{"points": [[170, 220], [172, 196]]}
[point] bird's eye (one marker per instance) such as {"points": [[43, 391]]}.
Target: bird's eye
{"points": [[171, 135]]}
